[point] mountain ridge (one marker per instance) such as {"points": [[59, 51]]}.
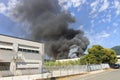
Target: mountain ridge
{"points": [[116, 49]]}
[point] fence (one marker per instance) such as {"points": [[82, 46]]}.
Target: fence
{"points": [[58, 71]]}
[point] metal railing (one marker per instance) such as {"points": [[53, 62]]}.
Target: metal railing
{"points": [[53, 71], [58, 71]]}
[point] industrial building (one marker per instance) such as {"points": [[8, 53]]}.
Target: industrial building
{"points": [[20, 56], [118, 57]]}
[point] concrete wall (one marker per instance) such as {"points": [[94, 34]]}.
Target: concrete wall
{"points": [[118, 56], [6, 55], [17, 41], [60, 71], [25, 58], [118, 61], [62, 60]]}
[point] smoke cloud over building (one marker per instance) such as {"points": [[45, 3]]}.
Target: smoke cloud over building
{"points": [[49, 24]]}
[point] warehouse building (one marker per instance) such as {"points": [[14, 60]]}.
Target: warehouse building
{"points": [[20, 56], [118, 57]]}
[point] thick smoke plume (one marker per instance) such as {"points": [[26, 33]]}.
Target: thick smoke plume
{"points": [[48, 24]]}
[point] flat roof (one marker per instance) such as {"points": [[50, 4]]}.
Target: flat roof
{"points": [[19, 38]]}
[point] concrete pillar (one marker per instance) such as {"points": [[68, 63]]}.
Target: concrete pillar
{"points": [[15, 47], [13, 67], [42, 59], [13, 61], [40, 66]]}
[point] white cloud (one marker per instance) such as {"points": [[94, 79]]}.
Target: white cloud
{"points": [[73, 14], [66, 4], [94, 6], [80, 27], [76, 3], [97, 38], [99, 6], [106, 18], [117, 7], [104, 6], [62, 1], [12, 3], [6, 10], [103, 34], [2, 8]]}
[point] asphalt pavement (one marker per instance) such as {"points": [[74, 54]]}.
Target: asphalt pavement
{"points": [[106, 75]]}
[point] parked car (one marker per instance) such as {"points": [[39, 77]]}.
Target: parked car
{"points": [[115, 66]]}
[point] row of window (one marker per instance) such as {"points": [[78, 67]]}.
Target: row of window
{"points": [[27, 50], [23, 50], [6, 46], [118, 57], [4, 66], [6, 49], [9, 46]]}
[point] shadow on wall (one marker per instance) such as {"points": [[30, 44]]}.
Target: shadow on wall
{"points": [[53, 78]]}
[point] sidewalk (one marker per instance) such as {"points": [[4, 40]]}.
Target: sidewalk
{"points": [[73, 77]]}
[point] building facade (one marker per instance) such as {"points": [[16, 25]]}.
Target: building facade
{"points": [[18, 55], [118, 57]]}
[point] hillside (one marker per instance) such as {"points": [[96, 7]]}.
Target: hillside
{"points": [[117, 49]]}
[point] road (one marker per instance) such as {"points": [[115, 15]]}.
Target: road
{"points": [[108, 75]]}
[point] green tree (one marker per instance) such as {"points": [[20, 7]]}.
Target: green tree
{"points": [[89, 59], [109, 56], [96, 50], [97, 54]]}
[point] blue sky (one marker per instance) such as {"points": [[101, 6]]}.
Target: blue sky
{"points": [[99, 19]]}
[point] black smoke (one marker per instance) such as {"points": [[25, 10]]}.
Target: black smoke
{"points": [[48, 24]]}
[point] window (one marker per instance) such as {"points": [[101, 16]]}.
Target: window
{"points": [[4, 66], [37, 51], [19, 49], [28, 50], [6, 49], [6, 46]]}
